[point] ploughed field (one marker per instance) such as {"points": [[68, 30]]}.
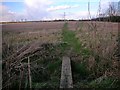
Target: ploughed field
{"points": [[92, 47]]}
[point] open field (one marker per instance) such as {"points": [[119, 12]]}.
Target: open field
{"points": [[92, 46], [41, 30], [53, 25]]}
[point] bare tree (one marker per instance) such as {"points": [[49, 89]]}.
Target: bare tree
{"points": [[112, 9], [118, 11]]}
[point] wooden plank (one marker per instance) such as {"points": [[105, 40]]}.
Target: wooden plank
{"points": [[66, 74]]}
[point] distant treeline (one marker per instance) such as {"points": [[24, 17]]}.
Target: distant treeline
{"points": [[105, 19], [109, 19]]}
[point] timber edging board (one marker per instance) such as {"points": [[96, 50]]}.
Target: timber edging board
{"points": [[66, 74]]}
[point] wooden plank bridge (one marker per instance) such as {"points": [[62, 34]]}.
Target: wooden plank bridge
{"points": [[66, 74]]}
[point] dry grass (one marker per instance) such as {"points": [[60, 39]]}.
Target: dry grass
{"points": [[98, 37]]}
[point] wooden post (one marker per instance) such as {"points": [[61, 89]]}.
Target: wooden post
{"points": [[29, 73], [66, 74]]}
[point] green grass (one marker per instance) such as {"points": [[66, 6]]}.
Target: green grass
{"points": [[80, 68], [53, 67], [69, 37], [49, 77], [104, 82]]}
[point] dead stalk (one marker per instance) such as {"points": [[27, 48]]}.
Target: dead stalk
{"points": [[21, 76]]}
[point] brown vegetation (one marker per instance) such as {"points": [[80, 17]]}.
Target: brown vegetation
{"points": [[37, 39]]}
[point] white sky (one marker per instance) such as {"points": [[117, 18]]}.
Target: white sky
{"points": [[49, 9]]}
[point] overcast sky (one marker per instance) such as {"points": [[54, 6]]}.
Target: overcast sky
{"points": [[15, 10]]}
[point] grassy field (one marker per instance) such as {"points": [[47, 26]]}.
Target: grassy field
{"points": [[92, 47]]}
